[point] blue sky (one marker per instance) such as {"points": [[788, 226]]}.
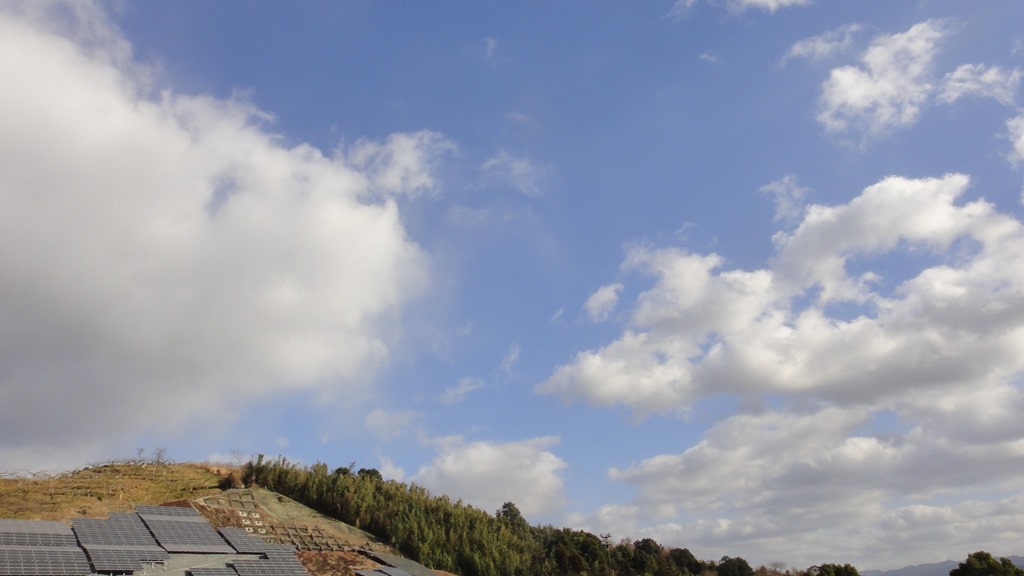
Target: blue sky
{"points": [[744, 276]]}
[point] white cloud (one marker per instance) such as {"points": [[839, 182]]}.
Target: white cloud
{"points": [[170, 252], [875, 383], [602, 302], [980, 80], [824, 45], [519, 173], [523, 120], [788, 196], [509, 361], [1015, 132], [488, 474], [391, 471], [388, 424], [767, 5], [488, 51], [458, 393], [402, 165], [681, 7], [889, 87]]}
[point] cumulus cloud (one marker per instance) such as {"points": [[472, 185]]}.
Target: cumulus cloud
{"points": [[519, 173], [980, 80], [887, 89], [602, 302], [488, 474], [872, 400], [825, 45], [169, 252]]}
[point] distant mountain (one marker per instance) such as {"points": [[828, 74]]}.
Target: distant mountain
{"points": [[936, 569]]}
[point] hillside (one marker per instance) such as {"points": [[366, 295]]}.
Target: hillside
{"points": [[326, 546]]}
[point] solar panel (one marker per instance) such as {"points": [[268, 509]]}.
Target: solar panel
{"points": [[243, 541], [123, 530], [33, 526], [114, 560], [270, 567], [392, 571], [187, 534], [411, 567], [175, 511], [279, 551], [35, 533], [213, 572], [43, 561]]}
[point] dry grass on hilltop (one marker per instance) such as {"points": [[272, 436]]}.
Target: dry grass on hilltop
{"points": [[98, 490]]}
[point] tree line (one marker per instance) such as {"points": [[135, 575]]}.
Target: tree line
{"points": [[456, 537]]}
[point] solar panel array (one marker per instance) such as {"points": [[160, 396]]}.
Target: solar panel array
{"points": [[383, 571], [213, 572], [125, 530], [243, 541], [115, 560], [37, 548], [43, 561], [392, 571], [126, 541], [35, 533], [392, 562], [278, 562], [183, 530], [279, 551], [174, 511], [121, 544]]}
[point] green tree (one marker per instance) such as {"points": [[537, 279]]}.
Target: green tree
{"points": [[685, 561], [982, 563], [509, 514], [734, 567], [837, 570]]}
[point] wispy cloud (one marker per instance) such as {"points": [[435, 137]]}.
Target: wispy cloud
{"points": [[982, 81], [509, 361], [602, 302], [519, 173], [458, 393], [788, 196], [823, 46]]}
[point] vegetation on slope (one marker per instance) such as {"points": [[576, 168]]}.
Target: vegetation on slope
{"points": [[98, 490], [457, 537]]}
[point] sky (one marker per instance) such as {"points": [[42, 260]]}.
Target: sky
{"points": [[743, 276]]}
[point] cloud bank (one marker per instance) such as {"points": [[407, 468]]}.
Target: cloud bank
{"points": [[167, 253], [875, 402]]}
